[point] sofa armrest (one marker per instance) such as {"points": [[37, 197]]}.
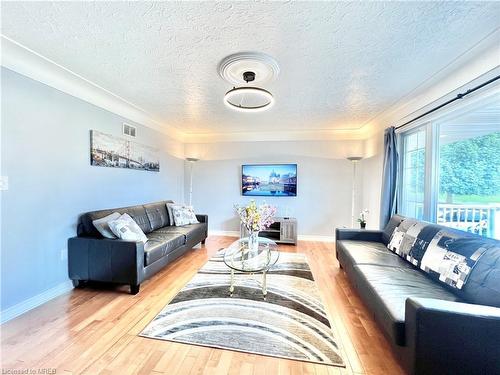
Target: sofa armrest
{"points": [[103, 259], [202, 218], [358, 235], [447, 337]]}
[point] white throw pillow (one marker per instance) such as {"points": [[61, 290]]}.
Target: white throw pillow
{"points": [[126, 228], [183, 215], [192, 216], [102, 225]]}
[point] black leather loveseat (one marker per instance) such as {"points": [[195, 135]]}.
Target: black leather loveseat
{"points": [[92, 257], [433, 328]]}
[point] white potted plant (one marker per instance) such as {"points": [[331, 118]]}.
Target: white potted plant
{"points": [[362, 218]]}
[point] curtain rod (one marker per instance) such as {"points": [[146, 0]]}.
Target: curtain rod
{"points": [[458, 97]]}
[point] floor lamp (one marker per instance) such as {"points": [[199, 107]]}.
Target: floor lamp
{"points": [[191, 162], [354, 160]]}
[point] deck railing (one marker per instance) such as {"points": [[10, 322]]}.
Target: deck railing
{"points": [[476, 218]]}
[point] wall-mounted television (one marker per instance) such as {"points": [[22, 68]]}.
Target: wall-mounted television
{"points": [[269, 180]]}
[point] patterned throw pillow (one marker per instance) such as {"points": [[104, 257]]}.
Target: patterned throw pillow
{"points": [[183, 215], [410, 240], [126, 228], [397, 236], [446, 254], [451, 255], [102, 225]]}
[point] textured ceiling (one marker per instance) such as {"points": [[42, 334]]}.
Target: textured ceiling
{"points": [[341, 63]]}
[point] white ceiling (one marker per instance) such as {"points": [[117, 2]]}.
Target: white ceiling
{"points": [[340, 63]]}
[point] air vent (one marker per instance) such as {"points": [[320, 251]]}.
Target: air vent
{"points": [[129, 130]]}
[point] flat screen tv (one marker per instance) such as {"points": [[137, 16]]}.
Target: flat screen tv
{"points": [[269, 180]]}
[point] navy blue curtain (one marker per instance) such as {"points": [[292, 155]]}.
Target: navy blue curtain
{"points": [[388, 201]]}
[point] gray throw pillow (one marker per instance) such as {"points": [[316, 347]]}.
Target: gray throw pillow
{"points": [[170, 214], [102, 225], [126, 228]]}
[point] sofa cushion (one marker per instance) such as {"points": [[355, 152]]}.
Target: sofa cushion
{"points": [[385, 290], [368, 252], [483, 284], [138, 213], [160, 244], [389, 228], [157, 214], [193, 232]]}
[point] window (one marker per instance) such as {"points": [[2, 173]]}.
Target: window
{"points": [[413, 172], [450, 170]]}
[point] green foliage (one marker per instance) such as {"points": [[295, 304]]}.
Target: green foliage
{"points": [[470, 199], [471, 166], [415, 176]]}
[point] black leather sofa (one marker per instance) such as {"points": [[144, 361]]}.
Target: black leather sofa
{"points": [[92, 257], [432, 329]]}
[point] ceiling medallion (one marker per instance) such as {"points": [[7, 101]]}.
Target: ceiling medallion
{"points": [[249, 98], [248, 68], [232, 68]]}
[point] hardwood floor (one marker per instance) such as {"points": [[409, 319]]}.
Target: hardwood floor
{"points": [[94, 331]]}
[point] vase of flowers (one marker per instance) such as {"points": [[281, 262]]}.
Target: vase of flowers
{"points": [[255, 218], [362, 218], [253, 241]]}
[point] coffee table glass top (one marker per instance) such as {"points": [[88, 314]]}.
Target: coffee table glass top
{"points": [[240, 258]]}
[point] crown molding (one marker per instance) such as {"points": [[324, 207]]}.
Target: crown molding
{"points": [[31, 64], [483, 57], [276, 136], [480, 61]]}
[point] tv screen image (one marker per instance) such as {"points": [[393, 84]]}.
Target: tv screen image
{"points": [[269, 180]]}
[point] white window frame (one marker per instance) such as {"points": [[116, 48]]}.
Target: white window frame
{"points": [[431, 124], [401, 151]]}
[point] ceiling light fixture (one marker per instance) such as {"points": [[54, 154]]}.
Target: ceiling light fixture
{"points": [[249, 98]]}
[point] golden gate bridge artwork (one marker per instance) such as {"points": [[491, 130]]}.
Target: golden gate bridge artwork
{"points": [[109, 151]]}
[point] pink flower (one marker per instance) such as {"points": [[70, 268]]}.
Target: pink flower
{"points": [[256, 218]]}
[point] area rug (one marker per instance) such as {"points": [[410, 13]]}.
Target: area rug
{"points": [[290, 323]]}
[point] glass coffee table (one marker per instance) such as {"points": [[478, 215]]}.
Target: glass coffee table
{"points": [[239, 257]]}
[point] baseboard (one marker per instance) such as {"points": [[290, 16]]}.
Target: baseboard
{"points": [[316, 238], [227, 233], [301, 237], [22, 307]]}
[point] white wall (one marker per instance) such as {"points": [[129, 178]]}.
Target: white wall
{"points": [[46, 155], [323, 199], [371, 179]]}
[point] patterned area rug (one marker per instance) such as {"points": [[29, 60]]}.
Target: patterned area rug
{"points": [[290, 323]]}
